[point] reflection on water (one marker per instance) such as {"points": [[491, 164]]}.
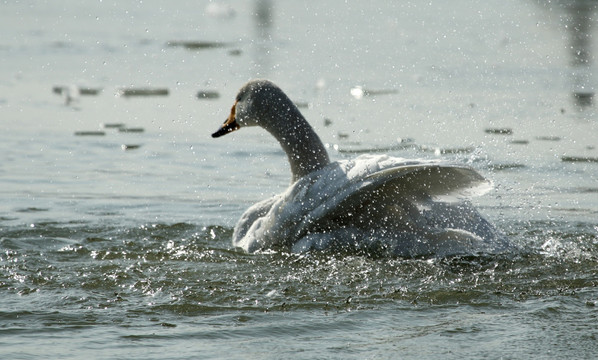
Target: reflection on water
{"points": [[579, 27], [263, 20], [577, 16]]}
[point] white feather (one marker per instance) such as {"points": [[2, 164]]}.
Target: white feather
{"points": [[373, 203]]}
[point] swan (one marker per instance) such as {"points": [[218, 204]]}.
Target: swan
{"points": [[374, 204]]}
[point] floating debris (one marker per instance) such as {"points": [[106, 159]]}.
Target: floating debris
{"points": [[368, 150], [89, 91], [548, 138], [520, 142], [85, 91], [127, 92], [90, 133], [499, 131], [235, 52], [463, 150], [113, 125], [62, 44], [585, 190], [403, 144], [197, 45], [342, 135], [301, 104], [31, 209], [583, 98], [127, 147], [70, 93], [442, 151], [499, 167], [588, 159], [58, 90], [327, 122], [359, 92], [131, 130], [208, 94]]}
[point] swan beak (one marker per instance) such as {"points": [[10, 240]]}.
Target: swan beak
{"points": [[229, 125]]}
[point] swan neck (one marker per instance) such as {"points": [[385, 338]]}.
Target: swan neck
{"points": [[303, 147]]}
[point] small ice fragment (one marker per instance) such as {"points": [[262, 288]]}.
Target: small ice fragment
{"points": [[357, 92]]}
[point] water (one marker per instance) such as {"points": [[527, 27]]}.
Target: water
{"points": [[118, 246]]}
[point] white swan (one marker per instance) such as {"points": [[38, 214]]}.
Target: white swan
{"points": [[372, 204]]}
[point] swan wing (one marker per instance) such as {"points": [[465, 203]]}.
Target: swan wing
{"points": [[244, 235], [374, 177], [324, 196]]}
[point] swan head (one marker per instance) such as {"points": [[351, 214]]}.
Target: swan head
{"points": [[256, 104], [261, 103]]}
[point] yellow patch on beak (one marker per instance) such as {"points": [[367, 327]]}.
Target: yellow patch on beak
{"points": [[229, 125]]}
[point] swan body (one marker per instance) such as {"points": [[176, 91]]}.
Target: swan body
{"points": [[371, 204]]}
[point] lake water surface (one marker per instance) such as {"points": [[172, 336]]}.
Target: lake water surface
{"points": [[117, 207]]}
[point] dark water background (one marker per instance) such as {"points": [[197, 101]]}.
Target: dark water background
{"points": [[118, 245]]}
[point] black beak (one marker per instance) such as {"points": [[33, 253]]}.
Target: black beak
{"points": [[229, 125], [226, 128]]}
